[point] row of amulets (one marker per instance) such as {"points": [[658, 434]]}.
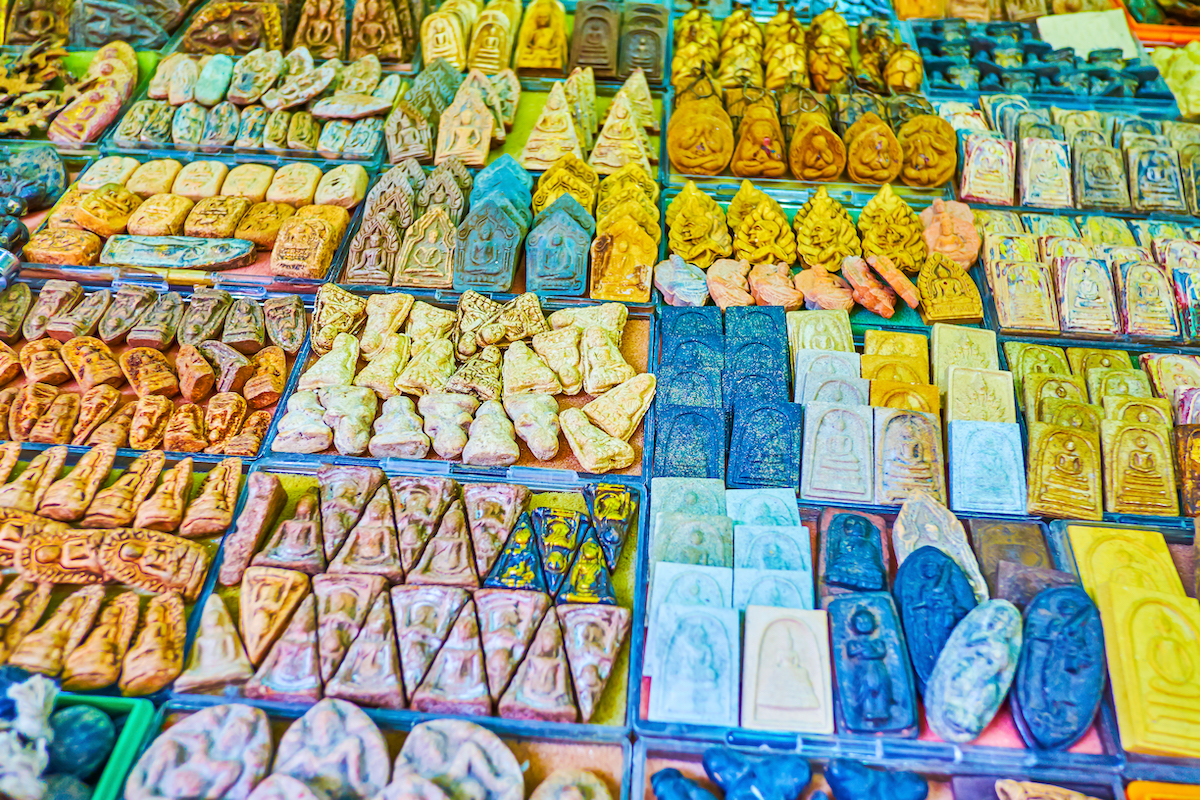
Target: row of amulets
{"points": [[825, 242], [214, 101], [766, 137], [215, 334], [471, 36], [408, 236], [202, 215], [131, 500], [818, 58], [316, 615], [577, 349]]}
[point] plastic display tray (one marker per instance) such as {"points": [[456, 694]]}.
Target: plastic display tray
{"points": [[654, 754], [251, 292], [1164, 522], [1149, 33], [618, 703], [1140, 105], [1122, 341], [787, 189], [255, 277], [638, 343], [133, 718], [201, 466], [1000, 745]]}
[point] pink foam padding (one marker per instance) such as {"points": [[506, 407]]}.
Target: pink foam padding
{"points": [[1002, 732]]}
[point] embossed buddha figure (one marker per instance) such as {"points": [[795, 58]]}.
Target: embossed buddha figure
{"points": [[769, 445], [547, 676], [1175, 668], [694, 676], [593, 52], [759, 150], [939, 608], [822, 335], [558, 541], [317, 29], [1141, 476], [241, 31], [697, 551], [1067, 470], [822, 157], [785, 668], [695, 590], [372, 33], [989, 169], [945, 285], [642, 51], [853, 556], [482, 249], [837, 467], [160, 560], [464, 136], [1100, 171], [74, 554], [214, 650], [588, 574], [775, 593], [872, 684], [449, 555], [421, 634], [911, 460], [428, 255], [547, 44]]}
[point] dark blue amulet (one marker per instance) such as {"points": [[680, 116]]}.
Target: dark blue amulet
{"points": [[83, 739], [519, 565], [850, 780], [689, 442], [933, 595], [689, 386], [558, 533], [874, 681], [765, 323], [695, 351], [669, 784], [1060, 677], [765, 446], [755, 370], [683, 321], [743, 776], [13, 234], [556, 256], [852, 552], [613, 509]]}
